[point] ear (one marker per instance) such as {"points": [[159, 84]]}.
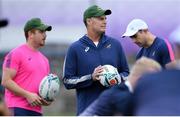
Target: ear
{"points": [[30, 34], [88, 20]]}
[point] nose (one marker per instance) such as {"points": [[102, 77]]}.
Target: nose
{"points": [[44, 34], [105, 21]]}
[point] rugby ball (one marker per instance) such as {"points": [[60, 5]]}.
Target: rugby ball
{"points": [[109, 76], [49, 87]]}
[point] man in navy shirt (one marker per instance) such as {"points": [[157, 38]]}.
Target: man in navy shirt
{"points": [[85, 57], [152, 46], [175, 40], [158, 94]]}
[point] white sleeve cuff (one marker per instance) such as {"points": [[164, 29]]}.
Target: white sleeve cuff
{"points": [[127, 83]]}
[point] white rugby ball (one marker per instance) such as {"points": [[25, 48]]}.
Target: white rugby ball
{"points": [[49, 87], [109, 76]]}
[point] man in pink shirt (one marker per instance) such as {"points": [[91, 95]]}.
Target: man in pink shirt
{"points": [[23, 69]]}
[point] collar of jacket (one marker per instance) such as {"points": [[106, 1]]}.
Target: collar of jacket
{"points": [[85, 39]]}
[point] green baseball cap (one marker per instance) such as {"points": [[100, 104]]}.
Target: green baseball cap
{"points": [[95, 11], [36, 23]]}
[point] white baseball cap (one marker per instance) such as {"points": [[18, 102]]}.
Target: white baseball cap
{"points": [[134, 26]]}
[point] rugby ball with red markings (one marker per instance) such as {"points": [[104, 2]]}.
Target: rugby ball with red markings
{"points": [[109, 76]]}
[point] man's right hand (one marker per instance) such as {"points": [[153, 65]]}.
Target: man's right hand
{"points": [[34, 99], [97, 72], [46, 103]]}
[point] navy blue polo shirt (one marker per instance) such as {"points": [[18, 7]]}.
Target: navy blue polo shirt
{"points": [[160, 51]]}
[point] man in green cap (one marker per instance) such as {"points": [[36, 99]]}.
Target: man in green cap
{"points": [[85, 58], [23, 69]]}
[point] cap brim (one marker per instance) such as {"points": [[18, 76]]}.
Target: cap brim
{"points": [[49, 28], [107, 12], [128, 34], [103, 12], [3, 23], [45, 28], [124, 35]]}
